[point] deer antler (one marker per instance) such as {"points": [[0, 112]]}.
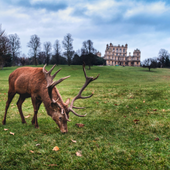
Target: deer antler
{"points": [[88, 80], [50, 83]]}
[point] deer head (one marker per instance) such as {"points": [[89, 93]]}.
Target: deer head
{"points": [[60, 113]]}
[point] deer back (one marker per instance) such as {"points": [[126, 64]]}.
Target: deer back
{"points": [[27, 80]]}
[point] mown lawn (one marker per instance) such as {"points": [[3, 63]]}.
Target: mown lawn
{"points": [[127, 124]]}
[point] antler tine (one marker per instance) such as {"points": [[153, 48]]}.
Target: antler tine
{"points": [[88, 80], [78, 107], [44, 69], [49, 72], [55, 73], [96, 77], [84, 69], [58, 81], [77, 114]]}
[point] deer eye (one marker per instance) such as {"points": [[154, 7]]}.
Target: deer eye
{"points": [[60, 118]]}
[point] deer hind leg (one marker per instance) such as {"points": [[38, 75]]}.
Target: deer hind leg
{"points": [[19, 104], [10, 97], [36, 105]]}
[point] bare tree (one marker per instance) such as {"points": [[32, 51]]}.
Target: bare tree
{"points": [[47, 49], [14, 41], [57, 51], [150, 63], [88, 52], [34, 45], [5, 47], [41, 57], [5, 50], [1, 31], [23, 59], [163, 58], [68, 47]]}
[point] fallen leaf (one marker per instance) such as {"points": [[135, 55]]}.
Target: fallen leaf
{"points": [[131, 97], [78, 153], [105, 102], [37, 144], [5, 129], [136, 107], [79, 124], [124, 116], [97, 102], [144, 101], [31, 151], [11, 133], [74, 141], [156, 139], [127, 106], [116, 104], [56, 148], [163, 110], [27, 116], [136, 121], [154, 109], [52, 165], [35, 140]]}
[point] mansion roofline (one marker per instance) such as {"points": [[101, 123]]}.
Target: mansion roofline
{"points": [[117, 55]]}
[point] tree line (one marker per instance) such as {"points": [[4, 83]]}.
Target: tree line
{"points": [[10, 54], [162, 61]]}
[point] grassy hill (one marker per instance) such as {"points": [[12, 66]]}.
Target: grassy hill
{"points": [[127, 124]]}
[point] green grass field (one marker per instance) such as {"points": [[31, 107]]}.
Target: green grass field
{"points": [[127, 124]]}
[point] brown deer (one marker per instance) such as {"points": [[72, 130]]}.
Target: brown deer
{"points": [[38, 84]]}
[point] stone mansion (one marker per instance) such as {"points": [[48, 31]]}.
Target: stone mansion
{"points": [[117, 55]]}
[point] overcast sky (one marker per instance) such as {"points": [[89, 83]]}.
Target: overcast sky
{"points": [[142, 24]]}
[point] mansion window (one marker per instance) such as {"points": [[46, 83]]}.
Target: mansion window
{"points": [[123, 50], [117, 54], [117, 50]]}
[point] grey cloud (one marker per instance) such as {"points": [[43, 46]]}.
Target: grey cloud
{"points": [[39, 5]]}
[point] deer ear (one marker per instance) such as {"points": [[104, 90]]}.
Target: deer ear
{"points": [[67, 101]]}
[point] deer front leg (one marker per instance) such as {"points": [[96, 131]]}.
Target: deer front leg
{"points": [[10, 97], [36, 104], [19, 104]]}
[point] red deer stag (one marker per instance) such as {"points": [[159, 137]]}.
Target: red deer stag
{"points": [[38, 84]]}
